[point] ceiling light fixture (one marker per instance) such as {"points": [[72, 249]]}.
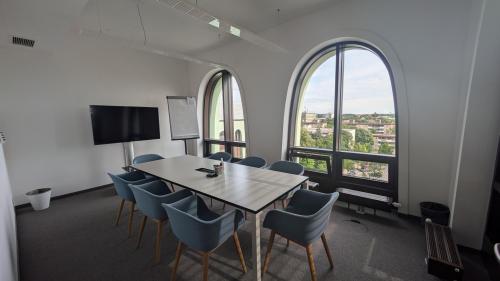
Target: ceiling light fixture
{"points": [[215, 23], [194, 11]]}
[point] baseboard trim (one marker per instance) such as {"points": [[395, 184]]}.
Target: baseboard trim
{"points": [[22, 206]]}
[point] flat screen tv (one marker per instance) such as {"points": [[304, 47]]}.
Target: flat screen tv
{"points": [[117, 124]]}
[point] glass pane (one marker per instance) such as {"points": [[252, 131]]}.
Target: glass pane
{"points": [[365, 170], [315, 124], [368, 119], [216, 122], [312, 164], [239, 152], [238, 116], [217, 148]]}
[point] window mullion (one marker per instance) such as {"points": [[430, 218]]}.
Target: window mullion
{"points": [[339, 77], [226, 80]]}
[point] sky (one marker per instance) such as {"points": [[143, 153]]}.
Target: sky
{"points": [[237, 104], [367, 86]]}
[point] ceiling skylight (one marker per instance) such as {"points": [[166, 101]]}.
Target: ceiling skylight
{"points": [[235, 31], [215, 23]]}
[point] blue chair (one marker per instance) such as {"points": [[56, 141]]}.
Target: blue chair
{"points": [[146, 158], [290, 168], [121, 183], [226, 157], [253, 161], [303, 221], [149, 197], [202, 230]]}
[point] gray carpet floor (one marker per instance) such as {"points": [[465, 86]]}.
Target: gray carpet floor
{"points": [[75, 240]]}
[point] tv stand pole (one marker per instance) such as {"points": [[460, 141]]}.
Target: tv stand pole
{"points": [[185, 147], [128, 153]]}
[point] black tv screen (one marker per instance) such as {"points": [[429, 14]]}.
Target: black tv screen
{"points": [[115, 124]]}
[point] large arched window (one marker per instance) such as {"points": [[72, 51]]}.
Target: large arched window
{"points": [[224, 121], [343, 120]]}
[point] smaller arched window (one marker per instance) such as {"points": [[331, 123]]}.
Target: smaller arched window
{"points": [[224, 120]]}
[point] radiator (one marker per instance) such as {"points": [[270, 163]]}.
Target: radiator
{"points": [[443, 258]]}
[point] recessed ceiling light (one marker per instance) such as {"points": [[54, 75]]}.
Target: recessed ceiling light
{"points": [[235, 31], [215, 23]]}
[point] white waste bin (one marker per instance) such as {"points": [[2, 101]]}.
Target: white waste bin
{"points": [[39, 198]]}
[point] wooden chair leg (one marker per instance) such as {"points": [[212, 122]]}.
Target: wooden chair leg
{"points": [[310, 258], [205, 266], [283, 203], [224, 207], [158, 240], [287, 243], [141, 231], [239, 251], [211, 202], [119, 212], [268, 252], [327, 249], [274, 204], [130, 218], [178, 255]]}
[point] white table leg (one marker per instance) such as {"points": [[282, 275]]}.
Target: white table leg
{"points": [[256, 271], [305, 185]]}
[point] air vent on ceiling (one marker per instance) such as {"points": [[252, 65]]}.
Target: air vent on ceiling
{"points": [[23, 41]]}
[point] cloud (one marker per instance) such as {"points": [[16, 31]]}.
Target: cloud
{"points": [[367, 86]]}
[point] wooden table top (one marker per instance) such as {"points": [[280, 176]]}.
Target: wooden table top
{"points": [[247, 188]]}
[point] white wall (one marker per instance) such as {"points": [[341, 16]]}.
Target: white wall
{"points": [[481, 131], [8, 239], [425, 42], [44, 99]]}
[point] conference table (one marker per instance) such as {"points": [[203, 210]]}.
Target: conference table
{"points": [[246, 188]]}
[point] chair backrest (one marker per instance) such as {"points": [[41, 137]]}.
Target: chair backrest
{"points": [[226, 157], [253, 161], [496, 249], [122, 181], [148, 198], [146, 158], [317, 207], [287, 167], [196, 226]]}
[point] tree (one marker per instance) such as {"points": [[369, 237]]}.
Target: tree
{"points": [[364, 136], [305, 138], [329, 122], [385, 148], [375, 171], [345, 140]]}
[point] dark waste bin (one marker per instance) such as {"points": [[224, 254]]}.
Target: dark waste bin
{"points": [[438, 213]]}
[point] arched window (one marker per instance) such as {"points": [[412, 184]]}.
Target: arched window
{"points": [[224, 120], [237, 135], [343, 125]]}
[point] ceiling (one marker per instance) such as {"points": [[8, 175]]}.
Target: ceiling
{"points": [[47, 21]]}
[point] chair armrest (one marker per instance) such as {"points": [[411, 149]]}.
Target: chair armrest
{"points": [[224, 226], [309, 200], [175, 196], [142, 181], [132, 176], [292, 226]]}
